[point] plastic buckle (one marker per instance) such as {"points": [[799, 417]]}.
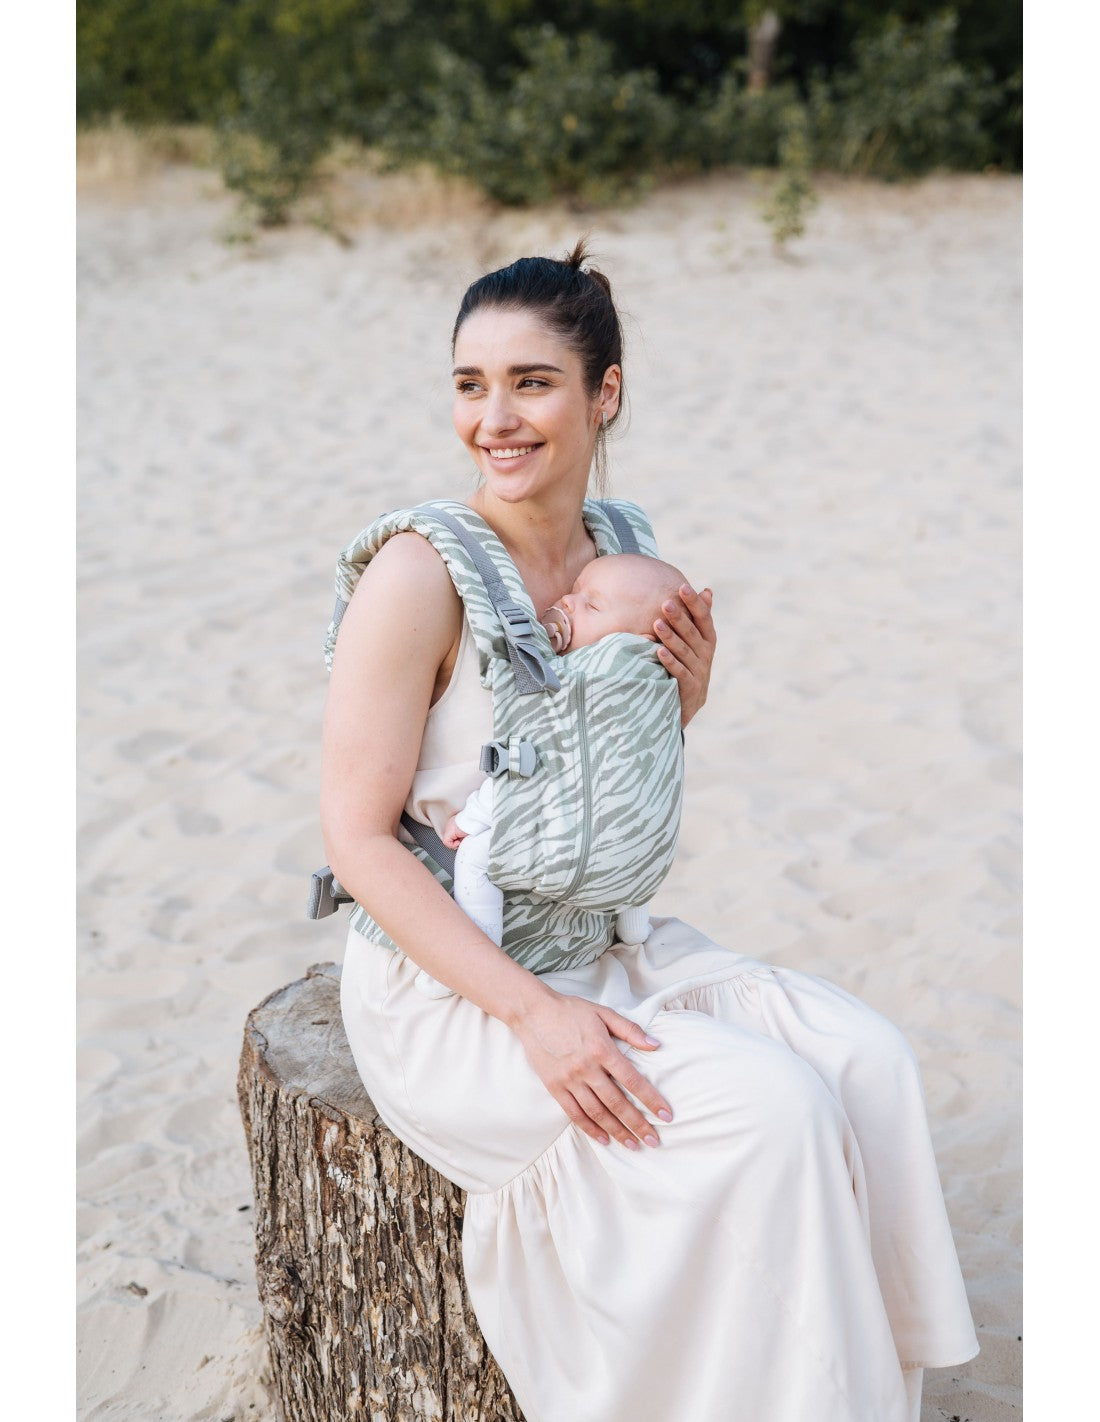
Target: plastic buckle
{"points": [[326, 894], [516, 757]]}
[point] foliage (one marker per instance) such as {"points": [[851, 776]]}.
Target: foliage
{"points": [[589, 107], [793, 195], [906, 106], [743, 127], [565, 122], [148, 62], [302, 73]]}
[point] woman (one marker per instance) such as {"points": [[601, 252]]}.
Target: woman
{"points": [[776, 1248]]}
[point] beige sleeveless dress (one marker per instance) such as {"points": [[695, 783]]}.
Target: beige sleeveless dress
{"points": [[783, 1256]]}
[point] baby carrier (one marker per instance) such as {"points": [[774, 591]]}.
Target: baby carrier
{"points": [[586, 752]]}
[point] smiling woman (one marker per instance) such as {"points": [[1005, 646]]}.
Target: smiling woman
{"points": [[735, 1217], [531, 421]]}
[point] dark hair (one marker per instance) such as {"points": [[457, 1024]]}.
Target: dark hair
{"points": [[575, 302]]}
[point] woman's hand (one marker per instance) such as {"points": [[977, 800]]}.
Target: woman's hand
{"points": [[570, 1045], [687, 642]]}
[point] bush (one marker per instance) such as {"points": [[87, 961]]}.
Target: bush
{"points": [[621, 90], [906, 107], [304, 74], [149, 63], [566, 123], [743, 127], [793, 195], [268, 147]]}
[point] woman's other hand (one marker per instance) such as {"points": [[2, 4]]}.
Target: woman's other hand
{"points": [[570, 1044], [687, 642]]}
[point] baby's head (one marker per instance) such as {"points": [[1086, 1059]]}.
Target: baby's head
{"points": [[622, 592]]}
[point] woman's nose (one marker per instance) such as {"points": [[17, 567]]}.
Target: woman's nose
{"points": [[499, 415]]}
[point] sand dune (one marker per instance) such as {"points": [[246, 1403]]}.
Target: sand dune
{"points": [[830, 440]]}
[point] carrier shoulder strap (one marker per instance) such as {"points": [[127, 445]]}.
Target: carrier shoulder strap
{"points": [[619, 522], [532, 672]]}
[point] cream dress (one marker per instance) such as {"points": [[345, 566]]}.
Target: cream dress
{"points": [[783, 1256]]}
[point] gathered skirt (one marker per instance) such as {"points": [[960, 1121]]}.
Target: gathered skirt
{"points": [[784, 1255]]}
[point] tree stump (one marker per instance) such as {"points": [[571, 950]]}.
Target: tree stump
{"points": [[358, 1241]]}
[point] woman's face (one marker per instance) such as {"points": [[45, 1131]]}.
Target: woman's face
{"points": [[521, 407]]}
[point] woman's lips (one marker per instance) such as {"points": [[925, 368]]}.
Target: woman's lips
{"points": [[507, 456]]}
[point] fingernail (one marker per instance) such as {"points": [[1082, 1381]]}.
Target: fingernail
{"points": [[662, 626], [651, 1140], [652, 1042], [665, 1115], [603, 1140], [631, 1143]]}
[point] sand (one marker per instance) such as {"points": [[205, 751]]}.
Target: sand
{"points": [[829, 439]]}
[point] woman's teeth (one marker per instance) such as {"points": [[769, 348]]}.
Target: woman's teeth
{"points": [[512, 453]]}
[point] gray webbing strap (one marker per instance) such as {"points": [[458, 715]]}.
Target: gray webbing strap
{"points": [[628, 543], [429, 842], [531, 671]]}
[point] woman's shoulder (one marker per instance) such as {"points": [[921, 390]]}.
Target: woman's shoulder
{"points": [[409, 568], [404, 609]]}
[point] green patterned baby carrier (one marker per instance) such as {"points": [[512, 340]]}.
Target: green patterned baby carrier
{"points": [[586, 753]]}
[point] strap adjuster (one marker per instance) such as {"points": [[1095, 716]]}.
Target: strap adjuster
{"points": [[515, 757], [515, 616]]}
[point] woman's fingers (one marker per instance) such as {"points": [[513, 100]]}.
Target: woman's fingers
{"points": [[687, 642], [624, 1071], [614, 1114], [627, 1030], [570, 1043], [576, 1113], [688, 618]]}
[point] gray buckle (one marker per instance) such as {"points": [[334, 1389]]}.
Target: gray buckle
{"points": [[515, 615], [515, 756]]}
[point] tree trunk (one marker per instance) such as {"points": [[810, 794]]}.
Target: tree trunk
{"points": [[358, 1241], [763, 34]]}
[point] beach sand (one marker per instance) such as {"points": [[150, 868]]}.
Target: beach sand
{"points": [[829, 439]]}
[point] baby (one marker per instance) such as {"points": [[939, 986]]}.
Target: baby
{"points": [[621, 592]]}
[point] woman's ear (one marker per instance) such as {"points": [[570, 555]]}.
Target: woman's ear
{"points": [[608, 403]]}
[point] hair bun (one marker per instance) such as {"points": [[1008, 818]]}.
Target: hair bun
{"points": [[578, 256], [576, 259]]}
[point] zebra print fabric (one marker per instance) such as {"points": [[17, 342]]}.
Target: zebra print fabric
{"points": [[595, 827]]}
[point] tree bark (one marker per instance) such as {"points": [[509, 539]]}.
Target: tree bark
{"points": [[358, 1241], [763, 34]]}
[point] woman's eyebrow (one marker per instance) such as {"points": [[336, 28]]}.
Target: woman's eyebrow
{"points": [[512, 369]]}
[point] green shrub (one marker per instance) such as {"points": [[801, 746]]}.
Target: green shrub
{"points": [[567, 123], [148, 62], [792, 196], [622, 89], [304, 74], [743, 127], [269, 146], [907, 105]]}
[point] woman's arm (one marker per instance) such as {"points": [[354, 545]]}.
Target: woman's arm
{"points": [[688, 640], [403, 619]]}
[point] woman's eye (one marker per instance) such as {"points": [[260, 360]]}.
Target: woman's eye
{"points": [[467, 387], [533, 381]]}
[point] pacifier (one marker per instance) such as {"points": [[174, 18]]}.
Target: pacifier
{"points": [[558, 628]]}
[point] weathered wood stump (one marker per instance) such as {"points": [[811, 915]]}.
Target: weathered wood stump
{"points": [[358, 1241]]}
